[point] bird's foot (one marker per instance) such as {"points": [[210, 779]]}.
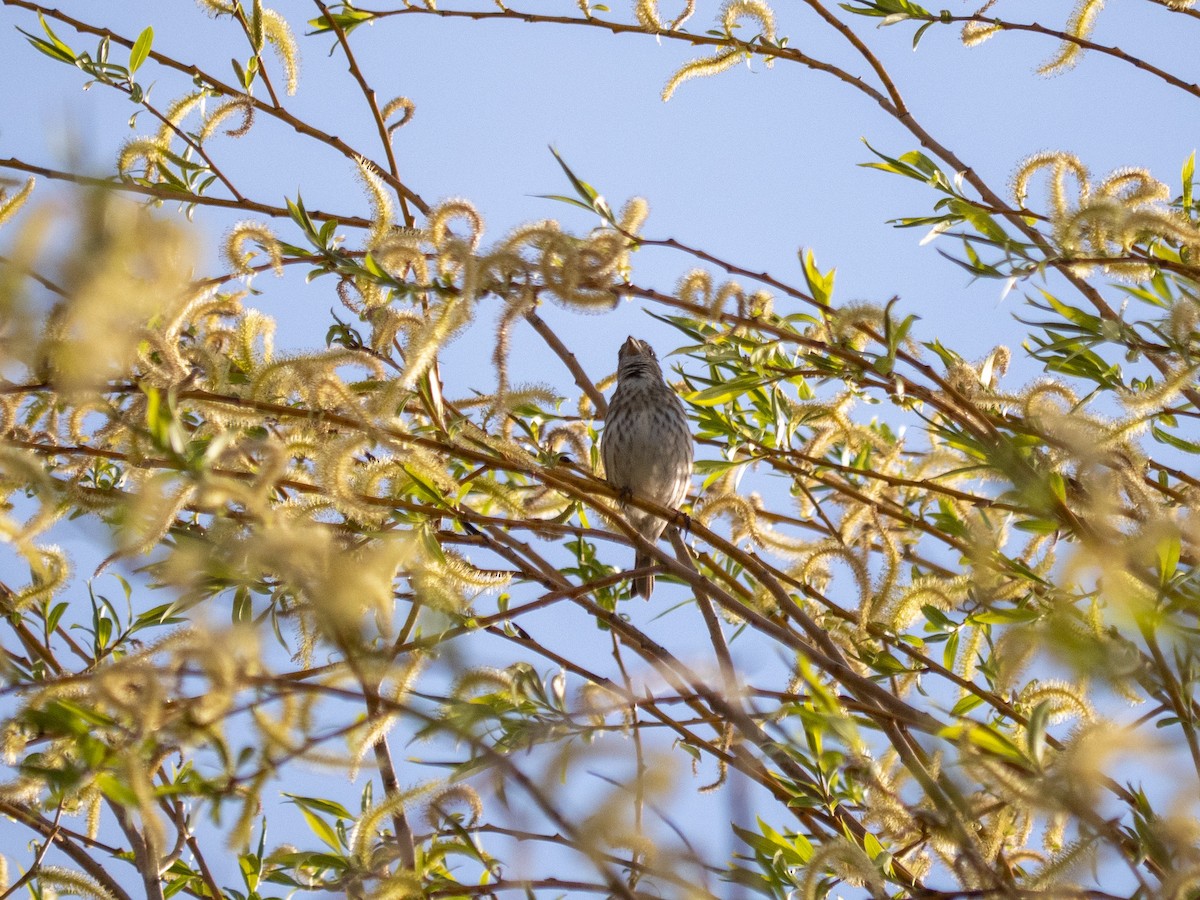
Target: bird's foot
{"points": [[682, 521]]}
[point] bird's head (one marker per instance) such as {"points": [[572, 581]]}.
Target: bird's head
{"points": [[637, 358]]}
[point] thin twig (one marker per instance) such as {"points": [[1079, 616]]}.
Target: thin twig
{"points": [[32, 872], [192, 71], [554, 342], [172, 194], [369, 94]]}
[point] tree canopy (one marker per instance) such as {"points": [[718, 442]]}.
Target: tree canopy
{"points": [[352, 613]]}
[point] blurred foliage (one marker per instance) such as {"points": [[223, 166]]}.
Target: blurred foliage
{"points": [[946, 589]]}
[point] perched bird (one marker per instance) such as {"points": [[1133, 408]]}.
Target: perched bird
{"points": [[646, 445]]}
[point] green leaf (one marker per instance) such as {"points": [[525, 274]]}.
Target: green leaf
{"points": [[568, 200], [950, 651], [54, 37], [885, 8], [1189, 170], [1002, 616], [347, 19], [966, 704], [985, 738], [1073, 314], [55, 615], [979, 220], [913, 164], [426, 487], [166, 430], [1036, 735], [591, 197], [115, 789], [104, 629], [1057, 485], [320, 827], [819, 285], [723, 393], [332, 807], [1038, 526], [1168, 558], [794, 851], [1170, 440], [872, 846], [257, 33], [240, 73], [54, 51], [92, 717], [243, 607], [300, 215], [921, 33], [141, 49], [159, 615], [936, 617], [326, 233]]}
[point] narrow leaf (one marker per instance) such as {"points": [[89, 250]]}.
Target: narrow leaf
{"points": [[141, 49]]}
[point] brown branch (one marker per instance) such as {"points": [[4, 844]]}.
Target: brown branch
{"points": [[369, 94], [32, 871], [205, 872], [262, 66], [1083, 43], [68, 843], [193, 71], [193, 144], [167, 193], [863, 50], [555, 343], [1171, 6], [767, 51], [499, 760], [900, 114]]}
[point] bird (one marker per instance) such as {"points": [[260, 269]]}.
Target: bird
{"points": [[646, 445]]}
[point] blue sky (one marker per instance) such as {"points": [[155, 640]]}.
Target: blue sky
{"points": [[750, 165]]}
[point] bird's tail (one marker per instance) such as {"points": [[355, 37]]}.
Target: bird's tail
{"points": [[643, 585]]}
